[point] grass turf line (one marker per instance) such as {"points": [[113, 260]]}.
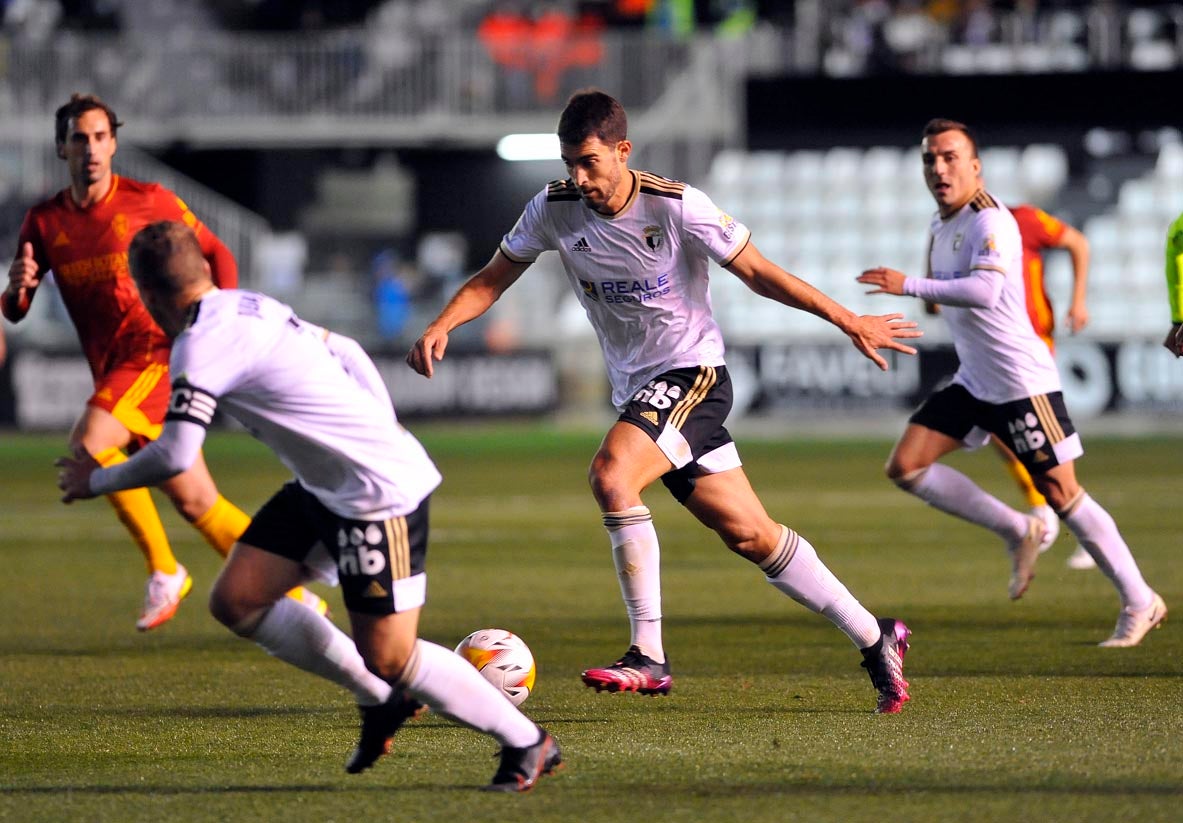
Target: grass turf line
{"points": [[1016, 714]]}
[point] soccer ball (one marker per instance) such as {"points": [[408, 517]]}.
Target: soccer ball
{"points": [[504, 659]]}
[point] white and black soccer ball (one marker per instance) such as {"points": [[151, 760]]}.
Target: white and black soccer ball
{"points": [[504, 659]]}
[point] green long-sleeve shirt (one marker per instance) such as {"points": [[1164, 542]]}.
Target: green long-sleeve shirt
{"points": [[1174, 255]]}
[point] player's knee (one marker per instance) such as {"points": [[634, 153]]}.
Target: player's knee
{"points": [[235, 610], [904, 476], [192, 503], [390, 660], [605, 483], [241, 618], [748, 542]]}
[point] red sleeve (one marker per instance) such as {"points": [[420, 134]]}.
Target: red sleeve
{"points": [[222, 264], [221, 261], [1037, 227]]}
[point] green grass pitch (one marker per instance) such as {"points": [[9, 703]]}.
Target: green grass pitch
{"points": [[1016, 714]]}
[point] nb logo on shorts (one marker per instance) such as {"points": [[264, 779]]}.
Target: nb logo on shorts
{"points": [[1026, 435], [659, 394], [355, 555]]}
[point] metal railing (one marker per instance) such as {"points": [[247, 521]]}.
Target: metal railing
{"points": [[343, 87], [31, 171]]}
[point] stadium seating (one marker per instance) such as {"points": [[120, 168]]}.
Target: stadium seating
{"points": [[826, 215]]}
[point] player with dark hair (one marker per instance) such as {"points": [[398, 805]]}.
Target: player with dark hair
{"points": [[1007, 385], [82, 234], [356, 511], [636, 248]]}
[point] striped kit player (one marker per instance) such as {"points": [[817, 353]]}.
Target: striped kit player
{"points": [[636, 248], [1006, 385], [356, 509]]}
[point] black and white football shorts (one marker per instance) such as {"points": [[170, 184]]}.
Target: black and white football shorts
{"points": [[1037, 429], [683, 411], [379, 563]]}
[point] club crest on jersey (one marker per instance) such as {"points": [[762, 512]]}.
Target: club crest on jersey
{"points": [[653, 237], [589, 289], [120, 225], [957, 238]]}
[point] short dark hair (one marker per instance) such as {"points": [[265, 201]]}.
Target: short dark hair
{"points": [[940, 125], [80, 104], [165, 258], [593, 113]]}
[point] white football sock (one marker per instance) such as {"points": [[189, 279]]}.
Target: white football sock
{"points": [[795, 569], [453, 687], [952, 492], [309, 641], [1096, 531], [637, 556]]}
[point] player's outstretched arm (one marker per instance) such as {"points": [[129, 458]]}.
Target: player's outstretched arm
{"points": [[869, 333], [472, 300], [80, 477]]}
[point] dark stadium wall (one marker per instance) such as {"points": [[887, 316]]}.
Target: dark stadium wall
{"points": [[817, 112], [471, 191]]}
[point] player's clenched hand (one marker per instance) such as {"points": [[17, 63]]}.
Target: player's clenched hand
{"points": [[427, 348], [74, 475], [22, 274], [886, 281], [871, 332]]}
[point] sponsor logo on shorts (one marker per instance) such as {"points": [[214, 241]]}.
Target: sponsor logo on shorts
{"points": [[1027, 436], [375, 590], [356, 552]]}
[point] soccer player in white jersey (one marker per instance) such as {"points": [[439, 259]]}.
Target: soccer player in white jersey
{"points": [[1007, 385], [636, 248], [356, 510]]}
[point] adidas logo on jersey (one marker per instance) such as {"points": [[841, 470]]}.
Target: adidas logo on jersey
{"points": [[581, 245]]}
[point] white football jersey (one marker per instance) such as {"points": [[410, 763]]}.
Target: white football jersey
{"points": [[640, 274], [250, 356], [1002, 359]]}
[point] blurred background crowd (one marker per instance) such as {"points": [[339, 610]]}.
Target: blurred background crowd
{"points": [[346, 149]]}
